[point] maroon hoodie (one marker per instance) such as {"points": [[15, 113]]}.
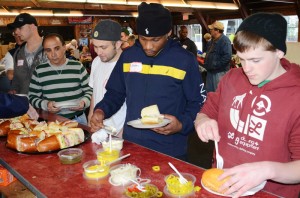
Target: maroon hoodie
{"points": [[258, 124]]}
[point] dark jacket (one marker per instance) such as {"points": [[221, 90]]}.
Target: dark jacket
{"points": [[171, 80], [12, 105], [190, 45], [218, 55]]}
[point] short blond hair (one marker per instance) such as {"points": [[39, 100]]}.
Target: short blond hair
{"points": [[207, 36]]}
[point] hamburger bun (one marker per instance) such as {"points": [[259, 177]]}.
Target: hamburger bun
{"points": [[210, 179], [151, 115]]}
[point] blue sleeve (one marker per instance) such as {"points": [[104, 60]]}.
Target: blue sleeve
{"points": [[195, 94], [13, 105], [116, 91]]}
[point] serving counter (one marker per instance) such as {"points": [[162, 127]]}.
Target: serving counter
{"points": [[45, 176]]}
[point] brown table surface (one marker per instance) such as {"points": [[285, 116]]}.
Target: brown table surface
{"points": [[45, 176]]}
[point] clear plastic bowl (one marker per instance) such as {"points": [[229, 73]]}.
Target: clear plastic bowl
{"points": [[116, 143], [107, 156], [121, 173], [148, 193], [70, 155], [175, 188], [94, 170]]}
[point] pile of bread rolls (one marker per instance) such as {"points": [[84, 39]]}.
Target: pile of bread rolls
{"points": [[27, 135]]}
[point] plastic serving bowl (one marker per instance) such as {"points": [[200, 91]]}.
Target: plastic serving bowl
{"points": [[94, 170], [117, 144], [151, 191], [175, 188], [70, 156]]}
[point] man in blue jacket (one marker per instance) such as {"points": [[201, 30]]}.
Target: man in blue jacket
{"points": [[155, 70], [218, 56]]}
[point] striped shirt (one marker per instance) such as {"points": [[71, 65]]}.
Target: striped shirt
{"points": [[65, 83]]}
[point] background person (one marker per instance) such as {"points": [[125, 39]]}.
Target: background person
{"points": [[107, 45], [29, 55], [218, 56], [131, 40], [256, 143], [187, 43], [124, 38], [60, 80], [208, 40], [156, 70]]}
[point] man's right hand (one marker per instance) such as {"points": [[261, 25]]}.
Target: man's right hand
{"points": [[97, 120]]}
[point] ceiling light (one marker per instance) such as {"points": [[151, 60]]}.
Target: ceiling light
{"points": [[107, 1], [174, 3], [138, 2], [69, 14], [212, 5]]}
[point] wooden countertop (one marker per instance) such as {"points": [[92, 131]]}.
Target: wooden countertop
{"points": [[45, 176]]}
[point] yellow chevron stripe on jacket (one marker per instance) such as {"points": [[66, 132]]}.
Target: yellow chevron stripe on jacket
{"points": [[158, 70]]}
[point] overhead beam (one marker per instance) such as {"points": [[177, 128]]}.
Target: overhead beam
{"points": [[242, 8], [36, 3]]}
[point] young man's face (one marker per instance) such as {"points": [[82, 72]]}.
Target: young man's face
{"points": [[260, 65], [106, 50], [153, 45], [55, 51], [24, 32], [183, 33]]}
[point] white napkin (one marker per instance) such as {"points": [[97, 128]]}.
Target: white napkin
{"points": [[99, 136]]}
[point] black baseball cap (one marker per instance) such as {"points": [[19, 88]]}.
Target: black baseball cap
{"points": [[22, 19]]}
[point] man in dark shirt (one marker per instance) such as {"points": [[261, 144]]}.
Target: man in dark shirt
{"points": [[187, 43]]}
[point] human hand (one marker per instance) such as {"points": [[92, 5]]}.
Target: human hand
{"points": [[173, 127], [32, 113], [244, 177], [79, 107], [12, 91], [52, 108], [97, 120], [207, 128]]}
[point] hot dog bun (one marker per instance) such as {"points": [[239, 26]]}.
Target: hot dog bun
{"points": [[4, 127], [69, 123], [27, 144], [210, 179], [151, 115], [48, 144]]}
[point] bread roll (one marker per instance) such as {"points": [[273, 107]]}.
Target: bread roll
{"points": [[69, 123], [12, 141], [151, 115], [48, 144], [27, 143], [210, 179], [4, 127]]}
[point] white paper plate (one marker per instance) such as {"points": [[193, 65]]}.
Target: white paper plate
{"points": [[138, 124], [249, 192], [65, 105]]}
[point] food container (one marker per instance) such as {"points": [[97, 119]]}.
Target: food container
{"points": [[106, 156], [120, 174], [174, 188], [116, 144], [151, 191], [95, 170], [70, 155]]}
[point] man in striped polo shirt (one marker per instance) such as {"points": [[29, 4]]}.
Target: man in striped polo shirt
{"points": [[60, 85]]}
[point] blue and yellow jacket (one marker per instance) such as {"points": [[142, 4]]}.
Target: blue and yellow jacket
{"points": [[171, 80]]}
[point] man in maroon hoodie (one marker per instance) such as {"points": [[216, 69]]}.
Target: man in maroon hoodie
{"points": [[255, 113]]}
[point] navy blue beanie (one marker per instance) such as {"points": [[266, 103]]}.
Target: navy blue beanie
{"points": [[270, 26], [153, 20]]}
